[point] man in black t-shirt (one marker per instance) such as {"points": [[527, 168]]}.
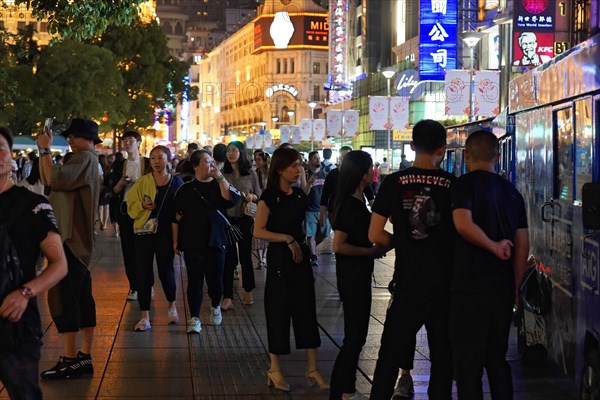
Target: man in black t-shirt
{"points": [[31, 229], [490, 256], [417, 201]]}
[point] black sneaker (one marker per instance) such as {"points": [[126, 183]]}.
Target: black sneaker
{"points": [[68, 368]]}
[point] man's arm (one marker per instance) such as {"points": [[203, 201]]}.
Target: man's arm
{"points": [[472, 233], [521, 253], [14, 305], [45, 166], [377, 232]]}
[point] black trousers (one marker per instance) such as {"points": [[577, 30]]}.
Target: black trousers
{"points": [[201, 264], [290, 296], [405, 317], [146, 247], [128, 247], [354, 287], [479, 330], [244, 249], [19, 369]]}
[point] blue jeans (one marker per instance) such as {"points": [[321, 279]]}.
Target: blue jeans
{"points": [[19, 368]]}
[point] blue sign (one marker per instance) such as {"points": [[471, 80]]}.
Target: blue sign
{"points": [[437, 39], [407, 84]]}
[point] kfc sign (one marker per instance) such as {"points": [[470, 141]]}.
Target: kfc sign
{"points": [[533, 35]]}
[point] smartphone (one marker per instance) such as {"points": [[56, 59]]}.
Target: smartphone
{"points": [[48, 123], [147, 199]]}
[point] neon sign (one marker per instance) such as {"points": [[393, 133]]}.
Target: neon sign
{"points": [[437, 38], [338, 41]]}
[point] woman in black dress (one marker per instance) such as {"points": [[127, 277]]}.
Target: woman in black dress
{"points": [[289, 289], [354, 255]]}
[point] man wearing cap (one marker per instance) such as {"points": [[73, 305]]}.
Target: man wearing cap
{"points": [[74, 196], [31, 228], [125, 174]]}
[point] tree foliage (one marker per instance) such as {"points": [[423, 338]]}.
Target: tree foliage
{"points": [[81, 19]]}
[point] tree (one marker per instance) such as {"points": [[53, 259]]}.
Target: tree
{"points": [[80, 80], [81, 19], [152, 77]]}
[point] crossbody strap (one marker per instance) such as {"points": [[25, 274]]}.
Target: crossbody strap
{"points": [[210, 205], [165, 197]]}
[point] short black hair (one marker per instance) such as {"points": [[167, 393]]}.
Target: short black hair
{"points": [[220, 152], [482, 145], [8, 135], [327, 153], [428, 136], [133, 134], [191, 147]]}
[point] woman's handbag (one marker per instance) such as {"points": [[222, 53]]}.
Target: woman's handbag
{"points": [[150, 227], [250, 209], [220, 224]]}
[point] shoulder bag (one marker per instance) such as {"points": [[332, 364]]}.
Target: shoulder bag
{"points": [[219, 225], [151, 226]]}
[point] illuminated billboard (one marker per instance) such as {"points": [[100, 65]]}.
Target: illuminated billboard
{"points": [[437, 38], [533, 33], [338, 11], [310, 30]]}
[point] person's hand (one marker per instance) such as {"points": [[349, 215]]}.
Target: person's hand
{"points": [[322, 216], [248, 197], [44, 139], [502, 249], [378, 251], [148, 205], [176, 250], [214, 170], [296, 250], [312, 179], [13, 306]]}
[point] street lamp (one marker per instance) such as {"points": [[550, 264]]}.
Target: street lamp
{"points": [[262, 124], [291, 113], [471, 39], [275, 118], [388, 73], [312, 104]]}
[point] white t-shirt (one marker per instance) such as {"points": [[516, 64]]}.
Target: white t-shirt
{"points": [[384, 168], [132, 171]]}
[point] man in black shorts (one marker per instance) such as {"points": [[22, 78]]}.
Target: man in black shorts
{"points": [[31, 228], [75, 190], [417, 201], [492, 247]]}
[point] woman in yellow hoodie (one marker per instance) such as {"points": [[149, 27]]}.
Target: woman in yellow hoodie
{"points": [[152, 197]]}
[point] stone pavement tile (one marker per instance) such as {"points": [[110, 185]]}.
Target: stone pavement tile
{"points": [[155, 338], [159, 369], [71, 388], [149, 387], [156, 355]]}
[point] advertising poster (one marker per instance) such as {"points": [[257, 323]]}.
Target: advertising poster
{"points": [[457, 89], [399, 107], [487, 93], [437, 38], [296, 135], [267, 140], [334, 123], [285, 134], [378, 113], [319, 129], [533, 33], [306, 129], [351, 122]]}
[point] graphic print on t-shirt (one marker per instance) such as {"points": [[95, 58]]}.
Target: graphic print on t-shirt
{"points": [[423, 212]]}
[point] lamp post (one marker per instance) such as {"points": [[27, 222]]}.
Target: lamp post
{"points": [[291, 113], [275, 118], [471, 39], [388, 73], [312, 104]]}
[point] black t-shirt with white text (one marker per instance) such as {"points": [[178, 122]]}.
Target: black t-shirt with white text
{"points": [[26, 234], [418, 202], [499, 210]]}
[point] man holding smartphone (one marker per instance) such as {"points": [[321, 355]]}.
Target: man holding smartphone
{"points": [[125, 174]]}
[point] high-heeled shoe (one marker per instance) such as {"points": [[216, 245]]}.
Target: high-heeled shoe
{"points": [[276, 379], [315, 377]]}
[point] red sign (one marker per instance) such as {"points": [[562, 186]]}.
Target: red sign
{"points": [[532, 48], [310, 30]]}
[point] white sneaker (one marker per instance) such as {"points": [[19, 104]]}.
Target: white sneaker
{"points": [[194, 325], [132, 295], [215, 315], [143, 325], [172, 315]]}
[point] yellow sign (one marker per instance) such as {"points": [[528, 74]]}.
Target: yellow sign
{"points": [[403, 135]]}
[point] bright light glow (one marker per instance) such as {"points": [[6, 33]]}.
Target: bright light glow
{"points": [[312, 104], [388, 72], [281, 30]]}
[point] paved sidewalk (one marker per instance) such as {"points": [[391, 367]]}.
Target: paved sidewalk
{"points": [[230, 361]]}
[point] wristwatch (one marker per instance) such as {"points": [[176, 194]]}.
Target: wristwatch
{"points": [[44, 151], [26, 292]]}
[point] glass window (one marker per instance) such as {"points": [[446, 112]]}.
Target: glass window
{"points": [[316, 91], [564, 154], [316, 68], [584, 144]]}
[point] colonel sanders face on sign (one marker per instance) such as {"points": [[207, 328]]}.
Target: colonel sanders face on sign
{"points": [[528, 44]]}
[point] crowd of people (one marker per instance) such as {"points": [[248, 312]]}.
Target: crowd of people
{"points": [[461, 246]]}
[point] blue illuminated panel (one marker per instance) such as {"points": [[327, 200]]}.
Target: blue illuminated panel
{"points": [[437, 38]]}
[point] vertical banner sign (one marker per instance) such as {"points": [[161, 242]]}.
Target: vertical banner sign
{"points": [[399, 112], [258, 141], [268, 140], [284, 134], [334, 123], [351, 122], [250, 142], [296, 135], [533, 32], [306, 129], [437, 38], [319, 129], [458, 92], [487, 93], [378, 113], [338, 39]]}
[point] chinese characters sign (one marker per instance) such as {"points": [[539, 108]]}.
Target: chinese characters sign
{"points": [[338, 33], [437, 47], [533, 35]]}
